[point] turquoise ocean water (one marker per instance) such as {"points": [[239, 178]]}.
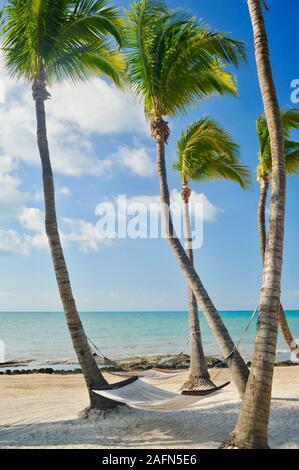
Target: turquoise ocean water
{"points": [[43, 336]]}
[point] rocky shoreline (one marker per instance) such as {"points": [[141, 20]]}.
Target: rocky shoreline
{"points": [[136, 363]]}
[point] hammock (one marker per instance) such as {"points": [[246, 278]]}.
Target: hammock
{"points": [[151, 374], [219, 375], [136, 393]]}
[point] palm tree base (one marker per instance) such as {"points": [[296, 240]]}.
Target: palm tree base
{"points": [[237, 442], [198, 383], [101, 412], [101, 405]]}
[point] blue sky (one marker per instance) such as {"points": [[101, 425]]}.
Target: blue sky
{"points": [[100, 148]]}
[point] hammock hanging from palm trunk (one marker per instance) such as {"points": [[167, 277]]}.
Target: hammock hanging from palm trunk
{"points": [[151, 374], [136, 393], [156, 375]]}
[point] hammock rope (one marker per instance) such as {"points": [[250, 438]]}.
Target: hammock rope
{"points": [[215, 371], [136, 393], [135, 390], [237, 344], [97, 350]]}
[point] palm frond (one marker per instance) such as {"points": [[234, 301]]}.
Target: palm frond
{"points": [[291, 157], [143, 20], [207, 152], [290, 120], [67, 38], [90, 20], [78, 61], [174, 60]]}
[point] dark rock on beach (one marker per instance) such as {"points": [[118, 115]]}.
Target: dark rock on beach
{"points": [[286, 364], [129, 364]]}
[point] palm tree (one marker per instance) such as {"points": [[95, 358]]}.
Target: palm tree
{"points": [[54, 40], [173, 61], [205, 152], [252, 426], [290, 120]]}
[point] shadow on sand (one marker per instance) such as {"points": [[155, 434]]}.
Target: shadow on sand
{"points": [[204, 427]]}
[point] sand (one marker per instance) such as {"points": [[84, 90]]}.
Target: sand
{"points": [[41, 411]]}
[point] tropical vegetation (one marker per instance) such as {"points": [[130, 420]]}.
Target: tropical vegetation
{"points": [[252, 426], [206, 152], [50, 41], [170, 61], [290, 121], [174, 61]]}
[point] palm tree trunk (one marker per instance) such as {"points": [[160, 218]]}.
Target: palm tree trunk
{"points": [[261, 217], [252, 426], [238, 368], [93, 378], [287, 334], [199, 374]]}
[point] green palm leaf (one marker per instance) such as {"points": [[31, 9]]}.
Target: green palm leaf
{"points": [[290, 120], [207, 152], [67, 39], [291, 156], [174, 59]]}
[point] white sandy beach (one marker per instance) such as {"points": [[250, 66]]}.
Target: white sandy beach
{"points": [[41, 411]]}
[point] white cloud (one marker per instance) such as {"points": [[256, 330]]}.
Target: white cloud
{"points": [[11, 197], [60, 191], [83, 233], [73, 231], [7, 164], [140, 216], [12, 242], [74, 115], [136, 159], [32, 219], [64, 191], [210, 211], [96, 107]]}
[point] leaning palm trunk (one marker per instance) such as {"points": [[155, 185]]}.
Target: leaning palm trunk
{"points": [[238, 368], [199, 374], [252, 426], [93, 377], [261, 214], [287, 334], [264, 186]]}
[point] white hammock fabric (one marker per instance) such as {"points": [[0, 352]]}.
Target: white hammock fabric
{"points": [[151, 374], [144, 396], [155, 374]]}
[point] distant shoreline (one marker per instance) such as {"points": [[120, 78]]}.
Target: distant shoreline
{"points": [[131, 363], [245, 311], [43, 338]]}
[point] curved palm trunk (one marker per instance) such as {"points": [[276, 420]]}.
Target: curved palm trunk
{"points": [[287, 334], [93, 377], [261, 214], [199, 374], [264, 186], [252, 426], [238, 368]]}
